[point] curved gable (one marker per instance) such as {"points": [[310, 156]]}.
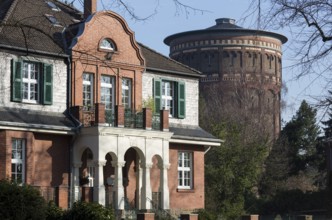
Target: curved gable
{"points": [[107, 25]]}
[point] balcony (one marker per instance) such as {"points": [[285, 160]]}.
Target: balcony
{"points": [[122, 118]]}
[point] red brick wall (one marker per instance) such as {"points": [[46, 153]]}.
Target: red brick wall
{"points": [[126, 62], [47, 161], [186, 199]]}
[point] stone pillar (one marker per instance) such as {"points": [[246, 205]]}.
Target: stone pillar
{"points": [[146, 195], [145, 216], [147, 118], [76, 181], [118, 186], [119, 116], [189, 217], [250, 217], [98, 183], [164, 121], [164, 190], [100, 113]]}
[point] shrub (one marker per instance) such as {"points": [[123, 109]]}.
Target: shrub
{"points": [[88, 211], [20, 202], [53, 212]]}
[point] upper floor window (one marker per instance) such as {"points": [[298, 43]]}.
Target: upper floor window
{"points": [[185, 170], [170, 95], [32, 82], [107, 44], [107, 92], [87, 90], [18, 160], [53, 6], [126, 93]]}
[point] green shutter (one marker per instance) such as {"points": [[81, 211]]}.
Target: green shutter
{"points": [[47, 84], [157, 96], [181, 100], [16, 81]]}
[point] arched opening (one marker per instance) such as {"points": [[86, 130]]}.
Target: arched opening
{"points": [[87, 174], [132, 178]]}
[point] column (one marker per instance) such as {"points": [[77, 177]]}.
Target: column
{"points": [[118, 186], [164, 190], [76, 181], [146, 195], [98, 183]]}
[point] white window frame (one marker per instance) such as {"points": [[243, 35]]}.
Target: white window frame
{"points": [[87, 83], [18, 158], [107, 44], [107, 90], [30, 68], [167, 96], [185, 170], [126, 88]]}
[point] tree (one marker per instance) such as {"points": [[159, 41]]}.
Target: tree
{"points": [[21, 202], [233, 169], [302, 135]]}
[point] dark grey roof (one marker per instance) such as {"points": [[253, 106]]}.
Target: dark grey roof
{"points": [[192, 133], [160, 63], [27, 26], [225, 27], [36, 119], [224, 23]]}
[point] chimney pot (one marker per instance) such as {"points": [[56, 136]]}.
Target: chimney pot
{"points": [[90, 7]]}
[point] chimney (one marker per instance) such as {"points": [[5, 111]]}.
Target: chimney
{"points": [[90, 7]]}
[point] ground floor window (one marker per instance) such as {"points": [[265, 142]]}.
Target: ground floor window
{"points": [[185, 170], [18, 160]]}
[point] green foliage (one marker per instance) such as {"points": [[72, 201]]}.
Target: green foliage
{"points": [[276, 169], [291, 201], [88, 211], [233, 169], [149, 103], [206, 215], [20, 202], [302, 135], [53, 212]]}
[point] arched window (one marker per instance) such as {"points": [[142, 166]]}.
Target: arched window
{"points": [[107, 44]]}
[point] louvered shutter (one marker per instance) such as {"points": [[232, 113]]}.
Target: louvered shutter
{"points": [[157, 95], [47, 84], [16, 81], [181, 100]]}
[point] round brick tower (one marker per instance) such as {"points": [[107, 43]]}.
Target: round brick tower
{"points": [[241, 68]]}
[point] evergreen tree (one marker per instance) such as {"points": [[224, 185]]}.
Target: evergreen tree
{"points": [[302, 135]]}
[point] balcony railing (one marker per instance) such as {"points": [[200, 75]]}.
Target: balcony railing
{"points": [[120, 117]]}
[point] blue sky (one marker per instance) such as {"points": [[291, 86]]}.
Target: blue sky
{"points": [[168, 19]]}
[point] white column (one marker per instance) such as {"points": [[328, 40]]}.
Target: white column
{"points": [[76, 181], [118, 186], [98, 183], [146, 187], [164, 190]]}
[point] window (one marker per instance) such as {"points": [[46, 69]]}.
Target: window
{"points": [[185, 170], [18, 160], [32, 82], [167, 96], [107, 92], [107, 44], [126, 93], [53, 6], [87, 90], [53, 20], [170, 95]]}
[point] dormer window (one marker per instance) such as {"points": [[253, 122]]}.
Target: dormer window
{"points": [[107, 44], [53, 20], [53, 6]]}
